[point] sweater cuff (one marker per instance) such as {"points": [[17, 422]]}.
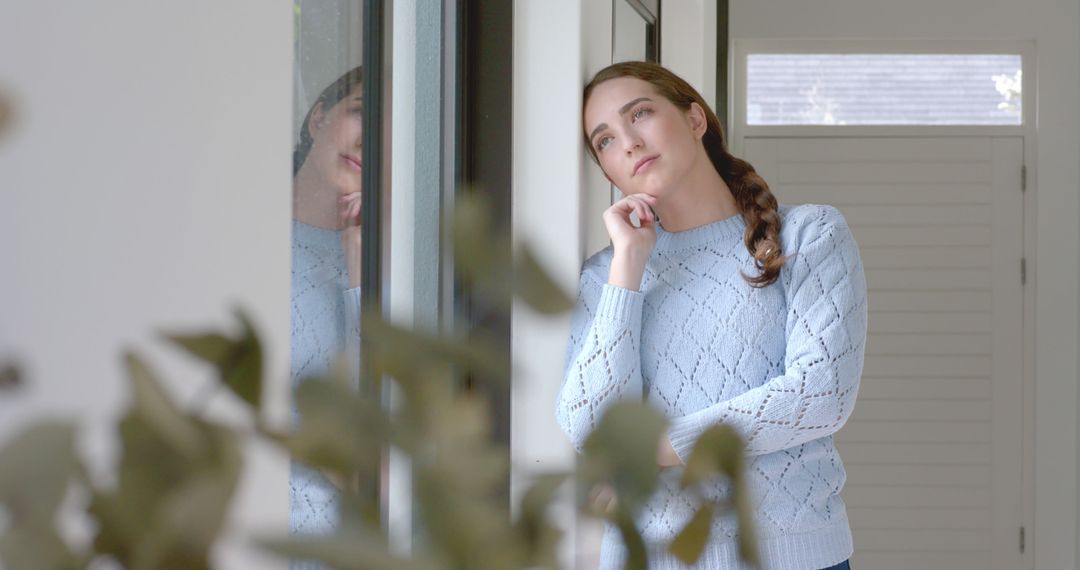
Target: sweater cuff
{"points": [[619, 306], [683, 433]]}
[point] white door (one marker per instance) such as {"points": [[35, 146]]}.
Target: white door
{"points": [[933, 448]]}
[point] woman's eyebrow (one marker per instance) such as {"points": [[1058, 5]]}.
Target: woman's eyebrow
{"points": [[622, 111]]}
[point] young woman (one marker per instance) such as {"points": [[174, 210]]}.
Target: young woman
{"points": [[721, 307], [325, 267]]}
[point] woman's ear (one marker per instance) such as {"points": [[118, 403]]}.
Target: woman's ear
{"points": [[317, 119], [698, 122]]}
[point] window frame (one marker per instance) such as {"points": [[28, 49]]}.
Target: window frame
{"points": [[737, 91]]}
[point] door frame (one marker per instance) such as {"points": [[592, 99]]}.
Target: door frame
{"points": [[739, 131]]}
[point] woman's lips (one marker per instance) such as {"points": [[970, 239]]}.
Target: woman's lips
{"points": [[644, 163], [352, 162]]}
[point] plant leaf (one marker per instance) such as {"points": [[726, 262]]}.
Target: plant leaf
{"points": [[718, 451], [10, 376], [157, 409], [211, 347], [540, 536], [535, 286], [690, 542], [622, 451], [35, 468], [239, 360], [33, 547], [349, 548]]}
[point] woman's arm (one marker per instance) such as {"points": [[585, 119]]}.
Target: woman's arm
{"points": [[826, 334], [603, 360]]}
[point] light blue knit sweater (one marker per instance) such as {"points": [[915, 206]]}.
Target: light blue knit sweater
{"points": [[780, 364], [325, 322]]}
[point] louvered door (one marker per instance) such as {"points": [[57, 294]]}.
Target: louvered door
{"points": [[933, 448]]}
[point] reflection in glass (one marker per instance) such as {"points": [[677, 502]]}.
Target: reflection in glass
{"points": [[634, 31], [326, 254]]}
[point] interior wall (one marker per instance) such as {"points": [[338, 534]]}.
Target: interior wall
{"points": [[146, 186], [547, 160], [688, 43], [1054, 270]]}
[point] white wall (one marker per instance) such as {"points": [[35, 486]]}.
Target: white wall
{"points": [[546, 180], [146, 185], [688, 43], [1056, 232]]}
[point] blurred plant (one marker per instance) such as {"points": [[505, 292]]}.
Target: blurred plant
{"points": [[5, 113], [178, 471], [1010, 89]]}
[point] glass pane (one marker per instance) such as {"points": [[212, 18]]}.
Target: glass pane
{"points": [[326, 269], [883, 89], [631, 31]]}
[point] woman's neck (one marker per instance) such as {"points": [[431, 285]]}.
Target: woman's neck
{"points": [[702, 197], [315, 203]]}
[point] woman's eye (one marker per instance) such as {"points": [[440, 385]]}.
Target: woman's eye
{"points": [[641, 113], [603, 142]]}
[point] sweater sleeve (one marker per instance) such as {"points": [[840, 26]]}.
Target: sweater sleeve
{"points": [[826, 334], [603, 360]]}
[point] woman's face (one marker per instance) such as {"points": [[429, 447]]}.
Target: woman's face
{"points": [[336, 143], [644, 143]]}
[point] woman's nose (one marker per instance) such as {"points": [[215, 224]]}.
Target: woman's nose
{"points": [[631, 141]]}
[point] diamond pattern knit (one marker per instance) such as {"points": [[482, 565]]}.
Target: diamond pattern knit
{"points": [[780, 364], [325, 322]]}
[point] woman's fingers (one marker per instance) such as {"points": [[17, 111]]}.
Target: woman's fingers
{"points": [[602, 499], [350, 206], [637, 203]]}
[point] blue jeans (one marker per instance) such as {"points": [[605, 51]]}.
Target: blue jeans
{"points": [[841, 566]]}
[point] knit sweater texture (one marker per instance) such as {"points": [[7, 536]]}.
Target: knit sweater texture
{"points": [[325, 324], [779, 364]]}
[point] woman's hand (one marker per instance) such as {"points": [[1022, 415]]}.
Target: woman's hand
{"points": [[665, 453], [632, 245], [349, 209], [602, 500]]}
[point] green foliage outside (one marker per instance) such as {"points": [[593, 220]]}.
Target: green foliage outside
{"points": [[178, 471]]}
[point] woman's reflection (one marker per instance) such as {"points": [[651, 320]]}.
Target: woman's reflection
{"points": [[325, 266]]}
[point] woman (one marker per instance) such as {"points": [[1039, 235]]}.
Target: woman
{"points": [[325, 266], [731, 310]]}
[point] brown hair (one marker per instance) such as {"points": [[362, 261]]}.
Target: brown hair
{"points": [[329, 97], [756, 202]]}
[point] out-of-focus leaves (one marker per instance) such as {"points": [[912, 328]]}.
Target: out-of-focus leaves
{"points": [[5, 113], [239, 360], [690, 542], [540, 536], [188, 522], [154, 407], [622, 451], [719, 453], [176, 477], [10, 376], [407, 355], [339, 431], [36, 547], [535, 286], [35, 468], [351, 548], [458, 477], [475, 245], [636, 556]]}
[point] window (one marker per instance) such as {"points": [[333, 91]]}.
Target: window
{"points": [[883, 89]]}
